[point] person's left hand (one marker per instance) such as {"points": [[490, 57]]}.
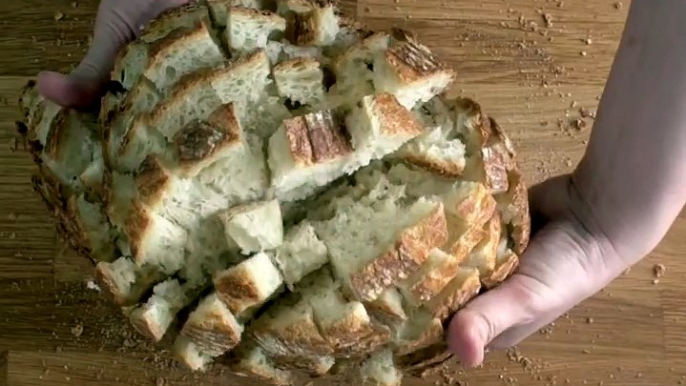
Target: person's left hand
{"points": [[117, 23], [567, 261]]}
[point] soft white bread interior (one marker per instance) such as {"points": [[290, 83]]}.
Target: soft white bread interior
{"points": [[300, 254], [315, 23], [419, 331], [254, 227], [377, 242], [124, 281], [354, 68], [380, 370], [345, 324], [379, 126], [90, 224], [301, 81], [154, 318], [436, 152], [408, 70], [388, 307], [249, 29], [219, 9]]}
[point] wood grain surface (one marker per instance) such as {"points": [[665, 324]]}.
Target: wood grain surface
{"points": [[536, 65]]}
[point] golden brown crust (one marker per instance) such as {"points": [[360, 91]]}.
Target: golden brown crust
{"points": [[395, 119], [57, 134], [173, 18], [426, 285], [381, 309], [179, 37], [136, 228], [152, 181], [416, 242], [495, 169], [200, 141], [350, 339], [315, 138], [424, 359], [214, 333], [431, 334], [437, 166], [103, 276], [410, 251], [352, 335], [145, 326], [455, 295], [487, 249], [521, 219], [56, 198], [413, 61], [314, 366], [477, 208], [298, 63], [235, 288], [196, 80], [298, 141], [242, 366], [466, 242], [326, 136], [290, 331], [502, 271], [301, 29]]}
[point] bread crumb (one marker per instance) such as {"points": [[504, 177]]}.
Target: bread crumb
{"points": [[160, 381], [59, 16], [656, 281], [583, 53], [588, 41], [659, 270], [618, 5], [548, 19], [77, 330], [91, 285], [586, 351], [589, 320]]}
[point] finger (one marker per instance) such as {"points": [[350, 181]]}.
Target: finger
{"points": [[551, 277], [66, 91], [512, 303]]}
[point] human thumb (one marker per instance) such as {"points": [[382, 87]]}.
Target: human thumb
{"points": [[513, 303]]}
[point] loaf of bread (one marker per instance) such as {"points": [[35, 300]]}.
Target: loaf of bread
{"points": [[284, 192]]}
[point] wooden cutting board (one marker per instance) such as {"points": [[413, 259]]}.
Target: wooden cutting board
{"points": [[532, 64]]}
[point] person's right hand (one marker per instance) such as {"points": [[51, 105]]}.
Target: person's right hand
{"points": [[117, 23]]}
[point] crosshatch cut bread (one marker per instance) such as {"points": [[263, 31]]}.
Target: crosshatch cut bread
{"points": [[278, 190]]}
